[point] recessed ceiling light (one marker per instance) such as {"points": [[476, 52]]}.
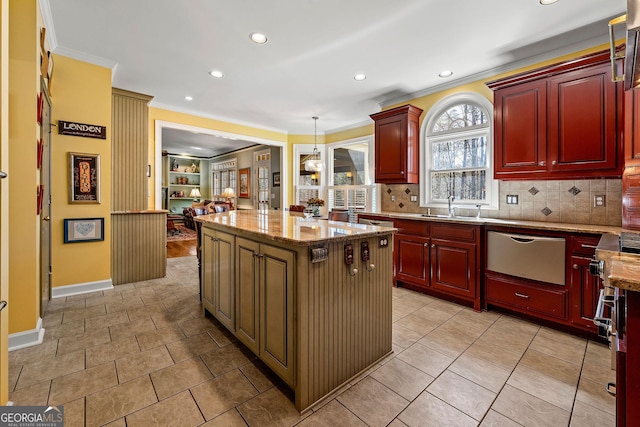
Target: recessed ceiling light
{"points": [[188, 98], [446, 73], [360, 77], [258, 38], [216, 73], [545, 2]]}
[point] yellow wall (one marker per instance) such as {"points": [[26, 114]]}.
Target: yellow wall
{"points": [[4, 210], [81, 93], [24, 177]]}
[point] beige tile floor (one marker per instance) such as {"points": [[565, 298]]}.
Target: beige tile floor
{"points": [[142, 355]]}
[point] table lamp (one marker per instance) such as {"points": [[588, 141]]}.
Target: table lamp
{"points": [[229, 194], [195, 194]]}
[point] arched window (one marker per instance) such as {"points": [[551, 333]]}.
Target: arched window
{"points": [[457, 152]]}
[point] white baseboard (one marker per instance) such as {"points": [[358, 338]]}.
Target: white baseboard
{"points": [[81, 288], [27, 338]]}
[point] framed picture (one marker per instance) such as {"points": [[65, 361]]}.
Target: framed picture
{"points": [[276, 179], [84, 179], [244, 176], [83, 230]]}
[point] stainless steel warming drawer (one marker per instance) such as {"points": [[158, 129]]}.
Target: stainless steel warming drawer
{"points": [[527, 256]]}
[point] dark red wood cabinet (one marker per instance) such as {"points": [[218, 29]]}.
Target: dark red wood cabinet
{"points": [[520, 130], [627, 358], [631, 174], [584, 287], [564, 121], [397, 137]]}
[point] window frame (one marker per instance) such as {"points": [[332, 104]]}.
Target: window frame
{"points": [[426, 138]]}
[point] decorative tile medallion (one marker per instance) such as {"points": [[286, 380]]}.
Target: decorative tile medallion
{"points": [[388, 191], [407, 191], [533, 191], [401, 205], [546, 211], [574, 190]]}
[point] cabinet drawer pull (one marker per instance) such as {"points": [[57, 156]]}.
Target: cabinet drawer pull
{"points": [[542, 163], [575, 266], [519, 295], [554, 162]]}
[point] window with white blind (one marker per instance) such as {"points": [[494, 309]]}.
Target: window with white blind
{"points": [[345, 182], [457, 145]]}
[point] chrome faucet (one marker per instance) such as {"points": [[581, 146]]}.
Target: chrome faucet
{"points": [[450, 200]]}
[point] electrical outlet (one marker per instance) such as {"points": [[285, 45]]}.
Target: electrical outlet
{"points": [[599, 201], [512, 199], [393, 198], [414, 198]]}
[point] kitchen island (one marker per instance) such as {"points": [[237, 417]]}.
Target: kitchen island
{"points": [[311, 298]]}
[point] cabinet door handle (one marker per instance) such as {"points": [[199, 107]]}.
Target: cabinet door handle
{"points": [[575, 266], [3, 174], [433, 245], [542, 163], [519, 295], [553, 162]]}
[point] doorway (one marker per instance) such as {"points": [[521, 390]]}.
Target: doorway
{"points": [[45, 211], [262, 166]]}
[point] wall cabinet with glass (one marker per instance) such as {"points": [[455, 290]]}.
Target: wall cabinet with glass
{"points": [[183, 181]]}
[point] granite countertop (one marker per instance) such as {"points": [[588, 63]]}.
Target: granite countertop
{"points": [[539, 225], [147, 211], [624, 272], [281, 226]]}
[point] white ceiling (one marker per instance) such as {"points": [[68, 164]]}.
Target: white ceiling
{"points": [[165, 48]]}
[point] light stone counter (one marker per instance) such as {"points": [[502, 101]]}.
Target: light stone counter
{"points": [[538, 225], [283, 227], [624, 272]]}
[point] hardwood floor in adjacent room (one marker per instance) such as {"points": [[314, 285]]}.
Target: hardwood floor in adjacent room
{"points": [[181, 248]]}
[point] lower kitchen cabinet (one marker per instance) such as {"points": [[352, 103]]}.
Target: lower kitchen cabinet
{"points": [[218, 266], [264, 295], [453, 267], [412, 260], [533, 299], [584, 287], [439, 258]]}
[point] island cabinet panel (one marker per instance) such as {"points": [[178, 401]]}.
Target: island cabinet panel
{"points": [[218, 290], [397, 136], [344, 316], [247, 293], [276, 279], [563, 121], [265, 304]]}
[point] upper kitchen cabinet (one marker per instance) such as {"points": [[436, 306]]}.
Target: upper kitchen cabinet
{"points": [[563, 121], [631, 175], [397, 135]]}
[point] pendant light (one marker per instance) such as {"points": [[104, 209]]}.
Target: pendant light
{"points": [[314, 163]]}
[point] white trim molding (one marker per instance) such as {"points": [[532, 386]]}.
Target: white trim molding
{"points": [[27, 338], [81, 288]]}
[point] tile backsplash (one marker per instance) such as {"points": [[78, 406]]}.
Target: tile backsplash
{"points": [[568, 201]]}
